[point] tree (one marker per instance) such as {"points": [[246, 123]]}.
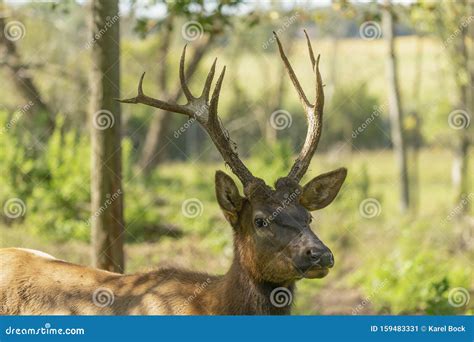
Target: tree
{"points": [[21, 76], [451, 21], [106, 187], [414, 126], [459, 58], [394, 103]]}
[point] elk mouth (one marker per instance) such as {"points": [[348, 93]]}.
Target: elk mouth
{"points": [[315, 272]]}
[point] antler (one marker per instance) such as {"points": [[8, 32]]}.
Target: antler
{"points": [[204, 112], [314, 112]]}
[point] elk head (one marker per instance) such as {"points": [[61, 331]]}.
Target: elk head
{"points": [[273, 239]]}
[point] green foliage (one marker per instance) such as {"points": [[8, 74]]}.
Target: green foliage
{"points": [[142, 212], [437, 304], [210, 18], [356, 116], [54, 184], [272, 162], [59, 205], [18, 157], [413, 277]]}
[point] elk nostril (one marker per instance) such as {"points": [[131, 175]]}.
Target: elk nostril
{"points": [[319, 257], [312, 253]]}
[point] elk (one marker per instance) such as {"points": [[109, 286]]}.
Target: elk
{"points": [[274, 245]]}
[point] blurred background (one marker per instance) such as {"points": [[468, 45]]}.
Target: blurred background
{"points": [[399, 104]]}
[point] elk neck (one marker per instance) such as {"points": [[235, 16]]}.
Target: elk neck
{"points": [[239, 292]]}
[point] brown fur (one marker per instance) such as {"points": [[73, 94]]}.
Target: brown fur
{"points": [[34, 285]]}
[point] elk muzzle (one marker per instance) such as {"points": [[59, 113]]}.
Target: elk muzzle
{"points": [[314, 258]]}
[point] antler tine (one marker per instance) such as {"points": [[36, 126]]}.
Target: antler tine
{"points": [[182, 77], [310, 49], [314, 115], [140, 85], [207, 86], [215, 97], [319, 103], [149, 101], [139, 92], [292, 74], [222, 140]]}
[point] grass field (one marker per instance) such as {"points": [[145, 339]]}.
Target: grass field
{"points": [[381, 261]]}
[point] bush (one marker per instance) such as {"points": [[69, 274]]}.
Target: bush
{"points": [[59, 205], [410, 271], [20, 166], [54, 185], [355, 116], [272, 162]]}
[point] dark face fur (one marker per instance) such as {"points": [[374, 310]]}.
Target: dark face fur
{"points": [[272, 226]]}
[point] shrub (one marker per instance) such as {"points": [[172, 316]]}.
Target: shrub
{"points": [[54, 184], [413, 272], [356, 117]]}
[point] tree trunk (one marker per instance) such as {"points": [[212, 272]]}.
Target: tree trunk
{"points": [[459, 172], [23, 80], [460, 60], [416, 130], [159, 123], [154, 149], [396, 115], [106, 187], [461, 148]]}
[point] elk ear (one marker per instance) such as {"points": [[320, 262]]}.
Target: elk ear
{"points": [[321, 190], [228, 197]]}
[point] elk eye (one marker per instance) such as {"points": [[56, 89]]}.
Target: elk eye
{"points": [[260, 222], [310, 220]]}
